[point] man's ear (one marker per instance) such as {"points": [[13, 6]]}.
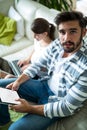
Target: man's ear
{"points": [[84, 32]]}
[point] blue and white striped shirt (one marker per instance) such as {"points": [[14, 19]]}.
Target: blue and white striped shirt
{"points": [[72, 90]]}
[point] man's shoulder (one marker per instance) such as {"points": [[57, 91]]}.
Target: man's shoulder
{"points": [[56, 45], [84, 49], [82, 54]]}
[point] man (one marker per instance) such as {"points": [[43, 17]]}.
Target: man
{"points": [[65, 89]]}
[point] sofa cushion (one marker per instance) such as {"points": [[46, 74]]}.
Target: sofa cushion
{"points": [[14, 47], [20, 23], [20, 54], [7, 30], [27, 9]]}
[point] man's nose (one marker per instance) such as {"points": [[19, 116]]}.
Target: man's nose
{"points": [[67, 37]]}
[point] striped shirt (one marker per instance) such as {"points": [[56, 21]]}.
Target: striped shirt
{"points": [[72, 87]]}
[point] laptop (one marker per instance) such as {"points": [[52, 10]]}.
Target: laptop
{"points": [[15, 68]]}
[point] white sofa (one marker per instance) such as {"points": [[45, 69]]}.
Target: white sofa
{"points": [[29, 10]]}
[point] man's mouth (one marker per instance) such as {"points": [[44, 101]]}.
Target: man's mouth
{"points": [[68, 44]]}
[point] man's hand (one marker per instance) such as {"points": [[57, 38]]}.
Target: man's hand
{"points": [[14, 86], [27, 107], [23, 107]]}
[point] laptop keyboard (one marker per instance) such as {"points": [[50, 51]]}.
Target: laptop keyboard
{"points": [[15, 68]]}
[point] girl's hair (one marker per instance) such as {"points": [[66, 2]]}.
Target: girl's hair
{"points": [[71, 16], [41, 25]]}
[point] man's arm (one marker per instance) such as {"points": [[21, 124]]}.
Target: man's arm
{"points": [[37, 109], [71, 102], [22, 78]]}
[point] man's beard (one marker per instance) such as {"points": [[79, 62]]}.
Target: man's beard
{"points": [[73, 46]]}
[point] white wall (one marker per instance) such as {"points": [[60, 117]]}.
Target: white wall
{"points": [[4, 5], [81, 5]]}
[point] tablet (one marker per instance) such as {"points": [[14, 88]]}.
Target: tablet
{"points": [[8, 96]]}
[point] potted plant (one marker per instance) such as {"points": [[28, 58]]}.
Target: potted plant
{"points": [[61, 5]]}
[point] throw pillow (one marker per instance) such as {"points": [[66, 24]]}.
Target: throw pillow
{"points": [[7, 30], [12, 13]]}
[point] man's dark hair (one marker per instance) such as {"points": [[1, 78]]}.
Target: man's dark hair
{"points": [[71, 16]]}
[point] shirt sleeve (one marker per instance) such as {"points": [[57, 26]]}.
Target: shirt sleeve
{"points": [[42, 61], [73, 101]]}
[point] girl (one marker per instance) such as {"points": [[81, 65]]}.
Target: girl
{"points": [[43, 36]]}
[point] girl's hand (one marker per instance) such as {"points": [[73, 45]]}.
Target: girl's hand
{"points": [[24, 67], [22, 62]]}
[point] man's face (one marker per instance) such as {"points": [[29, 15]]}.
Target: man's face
{"points": [[70, 35]]}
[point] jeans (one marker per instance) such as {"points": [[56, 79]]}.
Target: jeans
{"points": [[32, 90]]}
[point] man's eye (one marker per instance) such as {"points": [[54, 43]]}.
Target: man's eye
{"points": [[62, 32], [73, 31]]}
